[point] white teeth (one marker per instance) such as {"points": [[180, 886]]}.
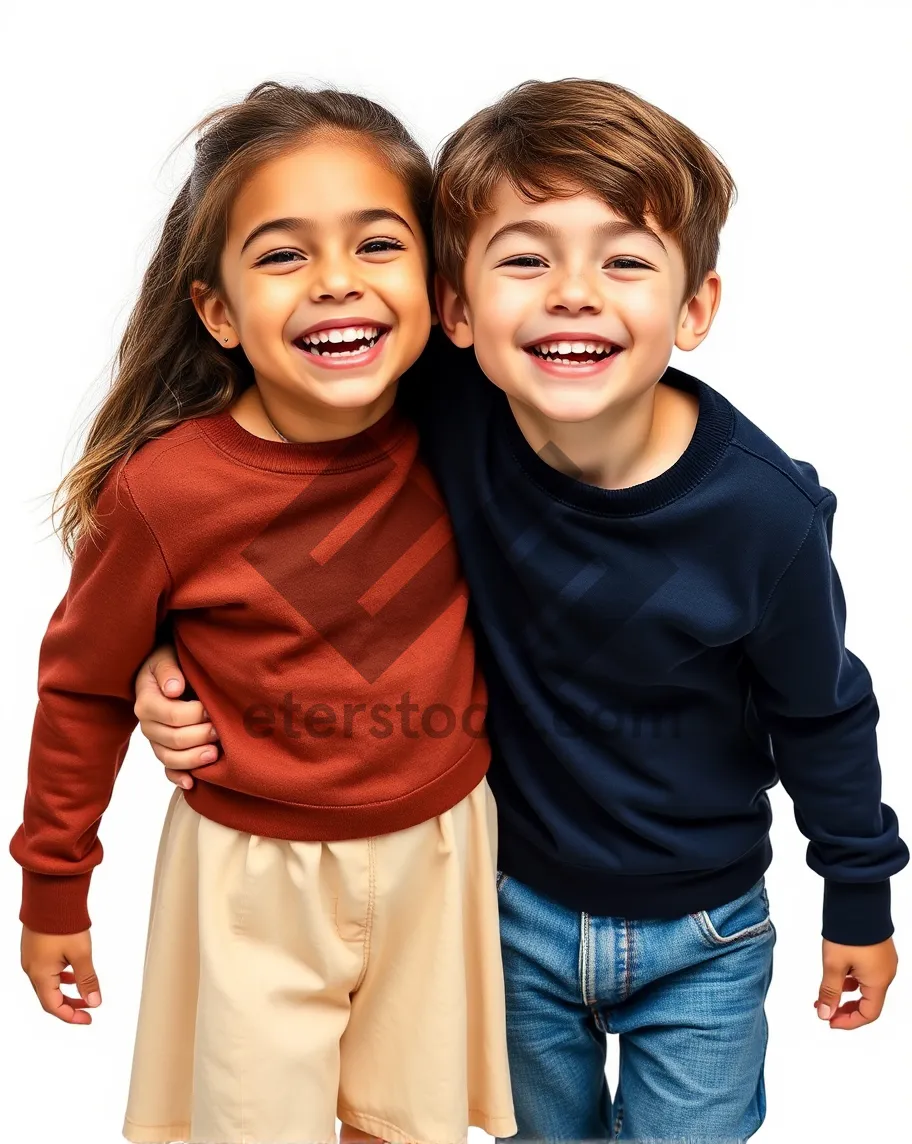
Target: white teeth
{"points": [[561, 349], [342, 335]]}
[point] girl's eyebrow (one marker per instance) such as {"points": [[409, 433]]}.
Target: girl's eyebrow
{"points": [[355, 218]]}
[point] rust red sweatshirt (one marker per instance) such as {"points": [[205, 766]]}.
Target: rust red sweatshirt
{"points": [[319, 613]]}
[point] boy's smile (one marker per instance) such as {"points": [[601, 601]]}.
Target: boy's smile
{"points": [[573, 353]]}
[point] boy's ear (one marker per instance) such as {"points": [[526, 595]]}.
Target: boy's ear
{"points": [[697, 314], [453, 314], [214, 315]]}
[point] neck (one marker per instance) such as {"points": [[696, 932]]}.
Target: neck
{"points": [[279, 416], [626, 445]]}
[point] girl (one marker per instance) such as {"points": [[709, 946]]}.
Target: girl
{"points": [[323, 931]]}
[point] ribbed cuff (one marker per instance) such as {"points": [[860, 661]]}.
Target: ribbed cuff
{"points": [[55, 904], [857, 913]]}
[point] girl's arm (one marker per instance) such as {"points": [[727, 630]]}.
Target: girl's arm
{"points": [[99, 634]]}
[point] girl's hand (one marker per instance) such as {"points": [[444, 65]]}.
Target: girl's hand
{"points": [[868, 968], [45, 958], [178, 729]]}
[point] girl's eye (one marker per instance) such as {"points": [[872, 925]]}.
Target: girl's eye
{"points": [[627, 264], [525, 261], [381, 246], [280, 257]]}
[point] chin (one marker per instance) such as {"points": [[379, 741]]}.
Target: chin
{"points": [[352, 392], [564, 404]]}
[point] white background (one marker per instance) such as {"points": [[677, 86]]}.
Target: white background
{"points": [[808, 104]]}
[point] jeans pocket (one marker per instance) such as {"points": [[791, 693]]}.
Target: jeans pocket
{"points": [[743, 919], [501, 878]]}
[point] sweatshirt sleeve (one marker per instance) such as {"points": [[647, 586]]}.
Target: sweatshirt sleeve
{"points": [[97, 638], [816, 701]]}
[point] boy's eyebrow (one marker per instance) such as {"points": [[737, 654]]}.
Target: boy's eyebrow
{"points": [[616, 228], [355, 218], [529, 226], [619, 228]]}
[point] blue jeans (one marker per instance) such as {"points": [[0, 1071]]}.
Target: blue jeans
{"points": [[684, 996]]}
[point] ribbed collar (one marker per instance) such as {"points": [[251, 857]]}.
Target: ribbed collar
{"points": [[356, 452], [713, 432]]}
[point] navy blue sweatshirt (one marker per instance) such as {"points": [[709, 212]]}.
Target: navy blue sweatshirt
{"points": [[657, 657]]}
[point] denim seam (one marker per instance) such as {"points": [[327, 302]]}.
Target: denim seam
{"points": [[627, 959], [587, 974], [709, 932], [590, 963], [584, 959]]}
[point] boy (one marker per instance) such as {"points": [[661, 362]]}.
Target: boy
{"points": [[659, 623]]}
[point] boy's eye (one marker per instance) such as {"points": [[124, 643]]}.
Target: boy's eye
{"points": [[279, 257], [526, 261], [627, 264], [381, 246]]}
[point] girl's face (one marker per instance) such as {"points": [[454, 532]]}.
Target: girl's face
{"points": [[325, 280]]}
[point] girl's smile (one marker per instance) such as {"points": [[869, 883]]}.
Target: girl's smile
{"points": [[343, 343]]}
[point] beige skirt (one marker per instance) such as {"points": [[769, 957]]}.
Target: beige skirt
{"points": [[288, 983]]}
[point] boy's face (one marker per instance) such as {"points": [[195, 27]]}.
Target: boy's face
{"points": [[573, 310]]}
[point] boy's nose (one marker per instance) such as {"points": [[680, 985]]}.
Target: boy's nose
{"points": [[575, 294]]}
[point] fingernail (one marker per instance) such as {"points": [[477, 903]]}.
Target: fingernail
{"points": [[208, 756], [93, 999], [186, 783], [824, 1012], [205, 715], [172, 684], [213, 734]]}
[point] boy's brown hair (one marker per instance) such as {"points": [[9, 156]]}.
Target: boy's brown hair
{"points": [[552, 139]]}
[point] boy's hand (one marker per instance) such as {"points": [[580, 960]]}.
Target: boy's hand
{"points": [[870, 968], [178, 729], [45, 957]]}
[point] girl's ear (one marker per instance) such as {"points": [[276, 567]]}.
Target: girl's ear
{"points": [[214, 315], [454, 314]]}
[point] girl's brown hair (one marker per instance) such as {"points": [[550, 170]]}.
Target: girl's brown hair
{"points": [[168, 368], [552, 139]]}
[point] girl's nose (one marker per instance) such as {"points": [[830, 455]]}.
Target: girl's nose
{"points": [[335, 281]]}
